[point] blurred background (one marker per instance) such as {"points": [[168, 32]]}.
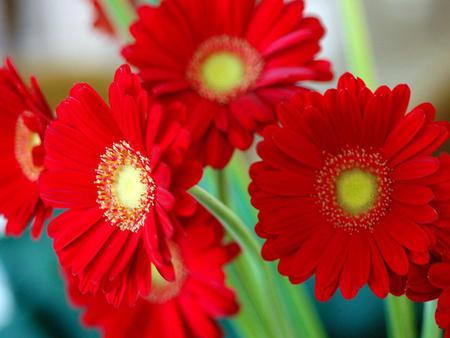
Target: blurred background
{"points": [[55, 41]]}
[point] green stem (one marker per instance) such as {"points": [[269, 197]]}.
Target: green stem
{"points": [[400, 317], [429, 327], [222, 186], [307, 314], [231, 222], [250, 320], [243, 237], [241, 276], [359, 51]]}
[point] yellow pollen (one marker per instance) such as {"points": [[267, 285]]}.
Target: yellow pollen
{"points": [[128, 187], [223, 71], [125, 189], [26, 141], [224, 67], [356, 191]]}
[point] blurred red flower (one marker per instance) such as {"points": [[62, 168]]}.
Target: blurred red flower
{"points": [[187, 307], [24, 115], [344, 188], [230, 61]]}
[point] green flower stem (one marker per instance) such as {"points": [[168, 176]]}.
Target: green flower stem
{"points": [[359, 50], [231, 222], [243, 237], [222, 186], [258, 271], [429, 326], [308, 317], [251, 321], [400, 317], [122, 14]]}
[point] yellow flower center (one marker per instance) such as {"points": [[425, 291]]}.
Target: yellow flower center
{"points": [[224, 67], [356, 191], [353, 189], [163, 290], [26, 140], [125, 188], [222, 72], [128, 187]]}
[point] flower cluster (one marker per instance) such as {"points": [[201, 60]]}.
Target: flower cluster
{"points": [[349, 188]]}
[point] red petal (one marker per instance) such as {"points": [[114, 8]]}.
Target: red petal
{"points": [[378, 279], [412, 194], [439, 275], [416, 168], [392, 252], [403, 133]]}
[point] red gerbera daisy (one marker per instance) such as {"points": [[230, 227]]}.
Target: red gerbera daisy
{"points": [[186, 307], [123, 174], [342, 189], [24, 115], [231, 61]]}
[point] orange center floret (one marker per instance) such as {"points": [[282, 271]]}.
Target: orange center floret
{"points": [[223, 67], [26, 140], [354, 189], [125, 188], [162, 290]]}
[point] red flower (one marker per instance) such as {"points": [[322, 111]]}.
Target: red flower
{"points": [[342, 187], [187, 307], [231, 61], [24, 115], [123, 174]]}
